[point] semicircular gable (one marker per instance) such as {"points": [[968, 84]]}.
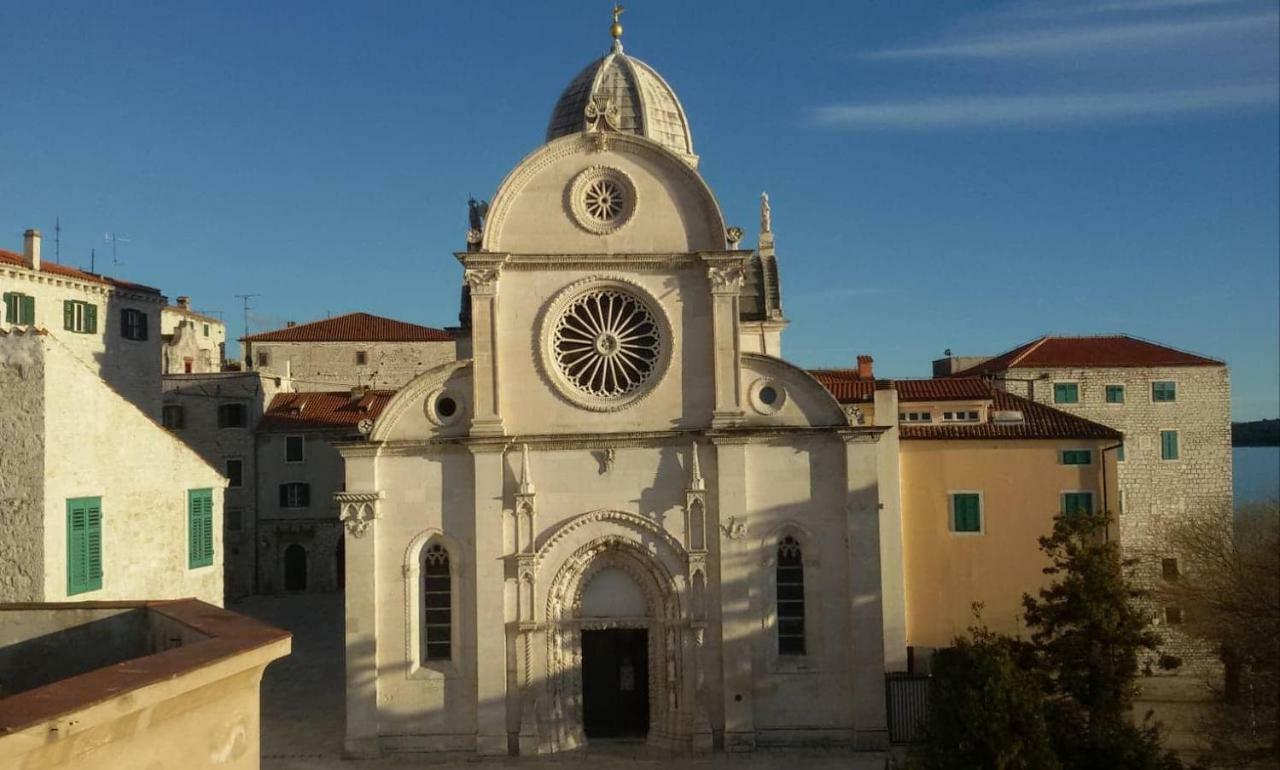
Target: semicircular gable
{"points": [[673, 211], [405, 416], [799, 399]]}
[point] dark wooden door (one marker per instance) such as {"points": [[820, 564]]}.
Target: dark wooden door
{"points": [[615, 683]]}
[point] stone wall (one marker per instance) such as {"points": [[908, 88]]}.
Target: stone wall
{"points": [[314, 528], [22, 410], [320, 366], [1157, 494]]}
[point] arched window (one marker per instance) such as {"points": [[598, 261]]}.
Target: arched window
{"points": [[790, 584], [437, 604]]}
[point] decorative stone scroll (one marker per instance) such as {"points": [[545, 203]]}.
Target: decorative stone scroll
{"points": [[357, 510], [733, 528]]}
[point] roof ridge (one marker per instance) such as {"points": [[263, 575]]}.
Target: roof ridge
{"points": [[1028, 349]]}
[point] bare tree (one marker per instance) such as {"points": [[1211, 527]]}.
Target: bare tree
{"points": [[1230, 596]]}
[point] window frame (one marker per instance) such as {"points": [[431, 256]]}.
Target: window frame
{"points": [[224, 424], [1062, 499], [1073, 383], [226, 467], [1174, 389], [302, 448], [362, 358], [169, 409], [79, 316], [1106, 394], [414, 606], [778, 601], [19, 308], [951, 512], [133, 324], [263, 358], [1177, 445], [424, 638], [200, 554], [1075, 452], [284, 495]]}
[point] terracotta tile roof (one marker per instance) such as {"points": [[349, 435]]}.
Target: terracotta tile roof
{"points": [[1117, 350], [354, 327], [323, 410], [1039, 421], [848, 388], [53, 268]]}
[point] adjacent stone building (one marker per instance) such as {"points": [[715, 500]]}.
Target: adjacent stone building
{"points": [[98, 501], [1174, 409], [353, 350], [194, 343], [110, 325]]}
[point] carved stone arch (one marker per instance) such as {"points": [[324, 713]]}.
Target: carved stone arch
{"points": [[813, 598], [411, 571], [413, 393], [639, 527]]}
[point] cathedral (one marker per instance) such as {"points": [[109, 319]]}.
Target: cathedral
{"points": [[621, 513]]}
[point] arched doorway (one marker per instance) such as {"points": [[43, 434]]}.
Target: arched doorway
{"points": [[615, 661], [295, 568]]}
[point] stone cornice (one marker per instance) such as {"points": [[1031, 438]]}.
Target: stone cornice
{"points": [[92, 287], [343, 498]]}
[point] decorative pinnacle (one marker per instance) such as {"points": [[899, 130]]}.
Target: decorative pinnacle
{"points": [[696, 482], [616, 28], [526, 478]]}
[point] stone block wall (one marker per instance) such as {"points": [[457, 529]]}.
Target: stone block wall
{"points": [[321, 366], [1156, 494], [315, 528], [22, 409]]}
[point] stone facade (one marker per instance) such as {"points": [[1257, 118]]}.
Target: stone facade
{"points": [[335, 365], [87, 441], [130, 366], [191, 404], [194, 343], [1156, 494]]}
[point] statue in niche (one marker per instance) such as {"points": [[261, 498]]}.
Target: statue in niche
{"points": [[766, 214]]}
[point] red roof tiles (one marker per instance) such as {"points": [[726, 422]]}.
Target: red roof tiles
{"points": [[323, 411], [848, 388], [354, 327], [53, 268], [1038, 421], [1116, 350]]}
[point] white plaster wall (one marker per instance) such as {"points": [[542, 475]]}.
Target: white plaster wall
{"points": [[187, 340], [131, 367], [328, 366], [100, 445], [22, 414], [529, 402]]}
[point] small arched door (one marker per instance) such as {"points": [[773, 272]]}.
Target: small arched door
{"points": [[295, 568]]}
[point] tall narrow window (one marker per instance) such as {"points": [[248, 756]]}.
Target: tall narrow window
{"points": [[437, 603], [84, 544], [199, 528], [133, 324], [19, 308], [1168, 445], [790, 579]]}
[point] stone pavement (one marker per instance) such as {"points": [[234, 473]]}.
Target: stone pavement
{"points": [[302, 712]]}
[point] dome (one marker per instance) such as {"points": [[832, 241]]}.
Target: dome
{"points": [[626, 95]]}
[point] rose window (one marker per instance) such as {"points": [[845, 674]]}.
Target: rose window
{"points": [[606, 343], [603, 200]]}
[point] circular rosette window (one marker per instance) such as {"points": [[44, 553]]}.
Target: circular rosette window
{"points": [[602, 199], [606, 344]]}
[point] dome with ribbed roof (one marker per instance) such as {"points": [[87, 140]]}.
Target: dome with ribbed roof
{"points": [[621, 93]]}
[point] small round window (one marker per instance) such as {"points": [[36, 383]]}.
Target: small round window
{"points": [[443, 407], [446, 407], [601, 199], [767, 396]]}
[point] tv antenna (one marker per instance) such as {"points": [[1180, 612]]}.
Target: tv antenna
{"points": [[57, 239], [113, 239], [245, 298]]}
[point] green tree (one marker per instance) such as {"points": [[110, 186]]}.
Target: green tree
{"points": [[986, 710], [1087, 633]]}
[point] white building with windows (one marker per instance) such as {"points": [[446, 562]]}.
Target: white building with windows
{"points": [[194, 342], [110, 325], [622, 513]]}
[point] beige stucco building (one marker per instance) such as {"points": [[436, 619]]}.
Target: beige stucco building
{"points": [[1174, 409], [98, 501], [612, 518], [194, 342]]}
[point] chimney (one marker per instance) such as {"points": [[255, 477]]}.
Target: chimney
{"points": [[864, 368], [358, 391], [290, 324], [184, 302], [31, 249]]}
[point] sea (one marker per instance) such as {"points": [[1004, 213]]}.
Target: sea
{"points": [[1256, 473]]}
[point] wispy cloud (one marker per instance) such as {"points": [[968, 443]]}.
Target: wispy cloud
{"points": [[1028, 110], [1083, 40]]}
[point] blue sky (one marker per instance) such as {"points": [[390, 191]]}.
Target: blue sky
{"points": [[955, 174]]}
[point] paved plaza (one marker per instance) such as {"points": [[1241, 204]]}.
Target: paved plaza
{"points": [[302, 711]]}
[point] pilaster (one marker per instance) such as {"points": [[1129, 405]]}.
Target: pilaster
{"points": [[482, 280], [358, 512], [726, 278], [737, 620], [892, 558], [490, 608]]}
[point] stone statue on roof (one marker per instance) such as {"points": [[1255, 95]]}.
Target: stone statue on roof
{"points": [[766, 214]]}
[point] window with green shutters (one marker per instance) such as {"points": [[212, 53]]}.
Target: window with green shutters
{"points": [[19, 308], [200, 527], [79, 317], [1115, 394], [1164, 391], [1168, 445], [133, 324], [1077, 502], [1066, 393], [966, 512], [1120, 453], [84, 545], [1077, 457]]}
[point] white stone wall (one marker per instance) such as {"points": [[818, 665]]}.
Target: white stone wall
{"points": [[131, 367], [22, 411], [315, 527], [320, 366], [199, 395], [97, 444], [1157, 494], [191, 339]]}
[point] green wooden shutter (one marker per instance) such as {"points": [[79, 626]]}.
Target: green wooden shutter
{"points": [[84, 544], [93, 544], [1075, 502], [68, 315], [1168, 445], [967, 512], [91, 319], [200, 527], [143, 317], [27, 313], [10, 312]]}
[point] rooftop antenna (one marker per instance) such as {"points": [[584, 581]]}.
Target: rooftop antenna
{"points": [[93, 260], [113, 239], [247, 308], [57, 239]]}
